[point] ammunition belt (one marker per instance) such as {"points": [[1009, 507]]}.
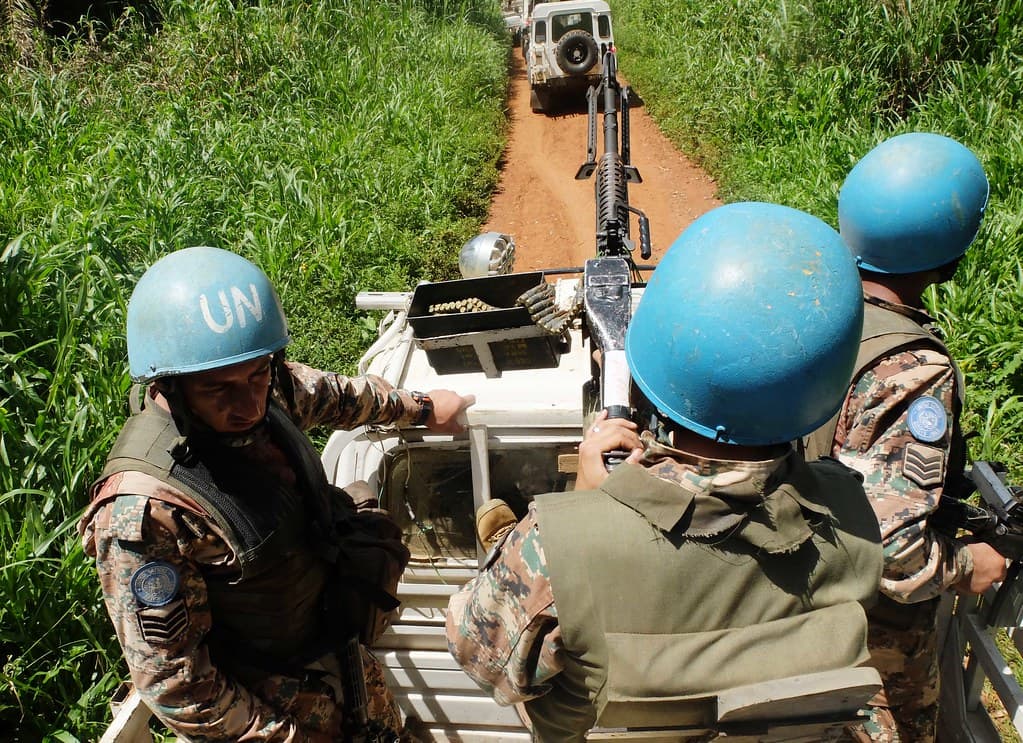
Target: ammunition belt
{"points": [[469, 304]]}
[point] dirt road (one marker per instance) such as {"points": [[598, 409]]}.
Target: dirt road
{"points": [[551, 215]]}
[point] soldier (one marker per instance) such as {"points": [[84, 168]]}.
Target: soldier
{"points": [[714, 557], [908, 211], [234, 574]]}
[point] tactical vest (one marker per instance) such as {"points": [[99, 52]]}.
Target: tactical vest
{"points": [[271, 615], [650, 618], [886, 332]]}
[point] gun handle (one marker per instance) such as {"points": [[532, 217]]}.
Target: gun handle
{"points": [[644, 237], [618, 411], [615, 457]]}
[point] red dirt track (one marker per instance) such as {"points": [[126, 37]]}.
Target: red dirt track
{"points": [[550, 215]]}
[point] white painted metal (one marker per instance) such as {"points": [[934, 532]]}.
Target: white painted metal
{"points": [[517, 413], [131, 719]]}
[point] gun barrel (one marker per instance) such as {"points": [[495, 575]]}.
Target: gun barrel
{"points": [[614, 170], [612, 220]]}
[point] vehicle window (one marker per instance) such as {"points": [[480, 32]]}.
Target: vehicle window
{"points": [[540, 32], [604, 26], [562, 24], [428, 492]]}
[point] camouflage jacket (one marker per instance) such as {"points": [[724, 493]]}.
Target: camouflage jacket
{"points": [[503, 626], [875, 435], [136, 520]]}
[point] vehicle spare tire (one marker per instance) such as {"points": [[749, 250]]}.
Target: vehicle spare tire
{"points": [[577, 52]]}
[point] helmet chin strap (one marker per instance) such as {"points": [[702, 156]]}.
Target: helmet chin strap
{"points": [[280, 380], [239, 439], [650, 418]]}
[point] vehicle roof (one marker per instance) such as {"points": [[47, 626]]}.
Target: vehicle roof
{"points": [[524, 397], [545, 9]]}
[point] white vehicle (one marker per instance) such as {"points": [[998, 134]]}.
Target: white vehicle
{"points": [[521, 439], [514, 19], [564, 45]]}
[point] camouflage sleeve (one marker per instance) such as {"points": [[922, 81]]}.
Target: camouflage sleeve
{"points": [[502, 627], [322, 398], [164, 646], [903, 475]]}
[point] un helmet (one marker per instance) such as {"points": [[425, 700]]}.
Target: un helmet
{"points": [[748, 330], [198, 309], [487, 254], [913, 203]]}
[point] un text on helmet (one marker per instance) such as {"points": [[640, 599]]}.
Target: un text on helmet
{"points": [[241, 304]]}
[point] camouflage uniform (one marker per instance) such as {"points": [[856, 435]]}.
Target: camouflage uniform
{"points": [[136, 520], [874, 437], [504, 628]]}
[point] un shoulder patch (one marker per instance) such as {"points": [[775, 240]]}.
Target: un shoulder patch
{"points": [[926, 419], [155, 583]]}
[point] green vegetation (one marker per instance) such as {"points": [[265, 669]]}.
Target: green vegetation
{"points": [[348, 146], [779, 99], [342, 145]]}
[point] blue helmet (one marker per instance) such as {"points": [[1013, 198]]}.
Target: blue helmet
{"points": [[748, 330], [913, 203], [198, 309]]}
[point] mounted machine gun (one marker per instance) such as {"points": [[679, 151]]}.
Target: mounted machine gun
{"points": [[607, 278]]}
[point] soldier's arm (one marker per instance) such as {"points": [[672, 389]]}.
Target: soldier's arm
{"points": [[502, 627], [904, 475], [319, 398], [164, 645]]}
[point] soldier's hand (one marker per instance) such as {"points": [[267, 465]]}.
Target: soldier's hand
{"points": [[448, 415], [604, 435], [989, 567]]}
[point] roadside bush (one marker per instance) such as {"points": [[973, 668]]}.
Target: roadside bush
{"points": [[779, 100], [341, 145]]}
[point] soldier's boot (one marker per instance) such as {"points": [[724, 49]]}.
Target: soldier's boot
{"points": [[494, 519]]}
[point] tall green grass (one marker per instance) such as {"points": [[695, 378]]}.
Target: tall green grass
{"points": [[61, 329], [778, 99], [347, 146], [341, 145]]}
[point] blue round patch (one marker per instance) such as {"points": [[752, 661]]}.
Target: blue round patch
{"points": [[927, 419], [155, 583]]}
